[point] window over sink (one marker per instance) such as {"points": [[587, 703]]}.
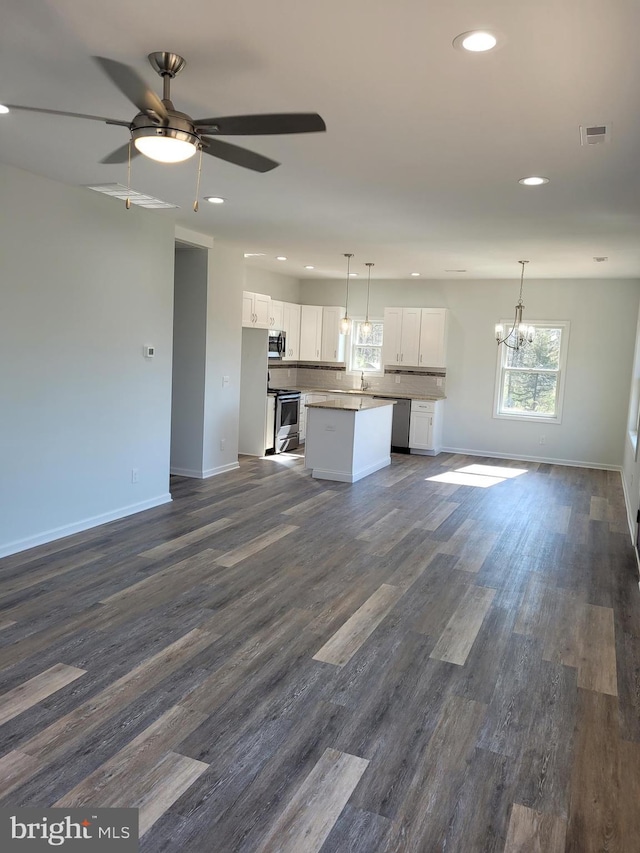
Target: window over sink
{"points": [[365, 351]]}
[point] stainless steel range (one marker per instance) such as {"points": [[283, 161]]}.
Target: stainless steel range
{"points": [[287, 420]]}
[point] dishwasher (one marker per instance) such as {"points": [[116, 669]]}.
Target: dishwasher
{"points": [[400, 425]]}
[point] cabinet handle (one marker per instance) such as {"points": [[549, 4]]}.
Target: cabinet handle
{"points": [[401, 356], [420, 358]]}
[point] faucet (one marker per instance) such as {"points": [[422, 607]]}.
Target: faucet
{"points": [[363, 384]]}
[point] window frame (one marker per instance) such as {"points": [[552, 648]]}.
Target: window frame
{"points": [[350, 346], [501, 369]]}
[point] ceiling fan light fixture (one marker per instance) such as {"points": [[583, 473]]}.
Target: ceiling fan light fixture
{"points": [[163, 146]]}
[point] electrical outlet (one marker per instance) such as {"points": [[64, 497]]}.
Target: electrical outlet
{"points": [[397, 379], [225, 381], [222, 441], [542, 439], [439, 381], [135, 475], [288, 373]]}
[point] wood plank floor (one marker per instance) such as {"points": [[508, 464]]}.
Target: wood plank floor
{"points": [[441, 658]]}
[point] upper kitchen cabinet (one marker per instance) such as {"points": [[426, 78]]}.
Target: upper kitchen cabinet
{"points": [[310, 332], [414, 337], [433, 337], [401, 340], [291, 327], [276, 315], [256, 310], [332, 347]]}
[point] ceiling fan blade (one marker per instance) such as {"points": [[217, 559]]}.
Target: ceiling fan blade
{"points": [[238, 156], [253, 125], [120, 155], [70, 115], [132, 86]]}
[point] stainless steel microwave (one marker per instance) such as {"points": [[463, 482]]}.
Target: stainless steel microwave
{"points": [[277, 344]]}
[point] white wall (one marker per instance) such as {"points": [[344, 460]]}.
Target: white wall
{"points": [[631, 465], [84, 285], [603, 325], [189, 357], [277, 286], [224, 346]]}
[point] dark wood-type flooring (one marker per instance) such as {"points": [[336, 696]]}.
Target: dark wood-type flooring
{"points": [[444, 656]]}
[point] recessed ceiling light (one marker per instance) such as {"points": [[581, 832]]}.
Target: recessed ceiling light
{"points": [[281, 258], [415, 273], [353, 275], [214, 199], [533, 181], [3, 109], [475, 41], [309, 267]]}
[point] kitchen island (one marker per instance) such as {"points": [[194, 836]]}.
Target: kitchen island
{"points": [[348, 439]]}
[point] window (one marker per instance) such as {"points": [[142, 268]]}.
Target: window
{"points": [[366, 350], [530, 381]]}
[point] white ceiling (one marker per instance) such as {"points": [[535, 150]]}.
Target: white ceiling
{"points": [[419, 167]]}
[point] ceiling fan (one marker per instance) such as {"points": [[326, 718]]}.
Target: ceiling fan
{"points": [[161, 132]]}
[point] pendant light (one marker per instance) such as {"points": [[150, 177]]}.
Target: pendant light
{"points": [[345, 323], [366, 328], [519, 334]]}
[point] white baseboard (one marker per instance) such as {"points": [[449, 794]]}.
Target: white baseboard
{"points": [[344, 477], [77, 527], [203, 475], [572, 463]]}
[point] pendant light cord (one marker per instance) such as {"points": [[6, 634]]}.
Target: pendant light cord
{"points": [[368, 288]]}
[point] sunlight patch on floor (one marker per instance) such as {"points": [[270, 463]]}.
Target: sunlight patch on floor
{"points": [[481, 476]]}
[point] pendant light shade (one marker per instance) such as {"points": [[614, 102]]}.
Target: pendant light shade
{"points": [[366, 328], [345, 323]]}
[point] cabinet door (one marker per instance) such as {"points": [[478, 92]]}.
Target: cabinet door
{"points": [[332, 346], [291, 326], [410, 345], [310, 332], [276, 319], [392, 336], [247, 308], [433, 337], [261, 310], [421, 431]]}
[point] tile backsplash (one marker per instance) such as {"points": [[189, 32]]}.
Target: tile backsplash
{"points": [[334, 377]]}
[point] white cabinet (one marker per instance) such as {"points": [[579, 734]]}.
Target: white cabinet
{"points": [[276, 315], [401, 341], [310, 332], [291, 326], [433, 337], [307, 398], [255, 310], [425, 427], [415, 337], [332, 346]]}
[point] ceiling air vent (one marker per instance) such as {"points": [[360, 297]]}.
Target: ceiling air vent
{"points": [[597, 134], [122, 193]]}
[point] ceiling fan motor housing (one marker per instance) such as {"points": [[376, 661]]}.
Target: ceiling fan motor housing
{"points": [[178, 126]]}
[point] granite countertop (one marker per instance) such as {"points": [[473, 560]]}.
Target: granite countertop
{"points": [[351, 405], [354, 392]]}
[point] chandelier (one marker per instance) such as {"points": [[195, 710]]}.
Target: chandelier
{"points": [[519, 334]]}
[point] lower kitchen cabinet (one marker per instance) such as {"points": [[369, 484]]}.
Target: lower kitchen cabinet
{"points": [[425, 427]]}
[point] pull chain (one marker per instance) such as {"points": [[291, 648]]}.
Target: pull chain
{"points": [[127, 204], [195, 203]]}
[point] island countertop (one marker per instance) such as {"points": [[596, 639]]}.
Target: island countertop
{"points": [[351, 405]]}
